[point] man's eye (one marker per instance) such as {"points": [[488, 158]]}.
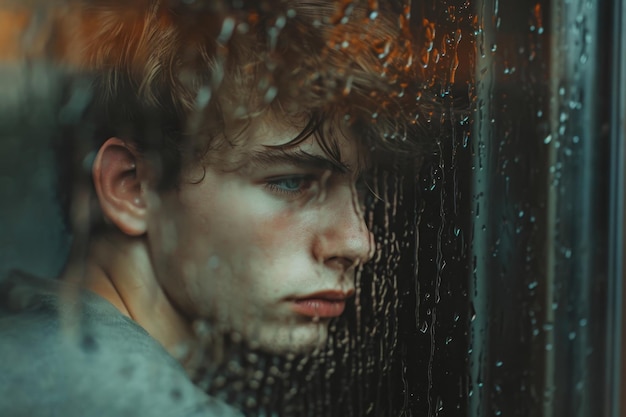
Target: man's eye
{"points": [[290, 185]]}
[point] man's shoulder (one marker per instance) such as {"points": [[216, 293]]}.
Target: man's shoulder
{"points": [[66, 352], [57, 317]]}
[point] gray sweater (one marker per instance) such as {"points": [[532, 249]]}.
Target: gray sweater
{"points": [[68, 352]]}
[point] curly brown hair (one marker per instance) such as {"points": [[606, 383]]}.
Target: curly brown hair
{"points": [[174, 77], [180, 78]]}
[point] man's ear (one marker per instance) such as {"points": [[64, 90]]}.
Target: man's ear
{"points": [[119, 180]]}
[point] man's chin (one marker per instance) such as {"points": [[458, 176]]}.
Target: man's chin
{"points": [[296, 338]]}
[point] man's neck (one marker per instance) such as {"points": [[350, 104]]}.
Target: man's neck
{"points": [[119, 269]]}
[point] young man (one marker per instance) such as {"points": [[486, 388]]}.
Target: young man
{"points": [[230, 147]]}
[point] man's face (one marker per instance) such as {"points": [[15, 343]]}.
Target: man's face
{"points": [[264, 242]]}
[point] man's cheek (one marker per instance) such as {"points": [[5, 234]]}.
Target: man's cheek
{"points": [[274, 230]]}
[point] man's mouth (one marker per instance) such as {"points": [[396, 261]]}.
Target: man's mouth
{"points": [[325, 304]]}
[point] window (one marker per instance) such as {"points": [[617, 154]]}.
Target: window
{"points": [[243, 152]]}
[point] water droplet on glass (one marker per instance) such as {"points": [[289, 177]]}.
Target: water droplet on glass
{"points": [[270, 94], [228, 25], [214, 262]]}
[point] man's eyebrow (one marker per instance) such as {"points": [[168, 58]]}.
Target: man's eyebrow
{"points": [[297, 158]]}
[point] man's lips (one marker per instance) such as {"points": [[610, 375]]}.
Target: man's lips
{"points": [[324, 304]]}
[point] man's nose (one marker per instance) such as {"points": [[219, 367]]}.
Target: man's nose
{"points": [[344, 240]]}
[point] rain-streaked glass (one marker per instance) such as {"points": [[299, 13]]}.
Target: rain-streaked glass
{"points": [[495, 285]]}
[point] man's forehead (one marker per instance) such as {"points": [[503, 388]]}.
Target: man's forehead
{"points": [[268, 140]]}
